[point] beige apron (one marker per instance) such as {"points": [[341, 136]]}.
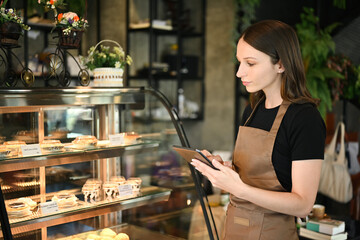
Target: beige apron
{"points": [[253, 161]]}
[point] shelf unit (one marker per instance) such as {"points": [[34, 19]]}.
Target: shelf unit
{"points": [[184, 67], [113, 111]]}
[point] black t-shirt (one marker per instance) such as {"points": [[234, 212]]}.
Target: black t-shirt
{"points": [[301, 136]]}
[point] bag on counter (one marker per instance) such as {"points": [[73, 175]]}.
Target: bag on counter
{"points": [[335, 180]]}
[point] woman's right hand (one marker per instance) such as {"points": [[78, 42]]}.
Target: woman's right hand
{"points": [[216, 157]]}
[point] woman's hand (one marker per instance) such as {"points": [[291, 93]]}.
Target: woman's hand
{"points": [[216, 157], [225, 178]]}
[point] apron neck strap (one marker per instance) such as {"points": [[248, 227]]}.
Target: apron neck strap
{"points": [[279, 116]]}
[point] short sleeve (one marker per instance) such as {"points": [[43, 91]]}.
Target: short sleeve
{"points": [[307, 134]]}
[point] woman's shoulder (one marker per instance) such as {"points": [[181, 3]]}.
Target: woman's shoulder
{"points": [[304, 109], [305, 113]]}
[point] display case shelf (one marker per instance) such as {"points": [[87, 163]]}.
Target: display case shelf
{"points": [[83, 210], [75, 156], [68, 96]]}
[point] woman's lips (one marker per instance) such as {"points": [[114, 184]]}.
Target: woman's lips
{"points": [[245, 83]]}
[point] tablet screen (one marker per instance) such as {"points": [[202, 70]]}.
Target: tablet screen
{"points": [[188, 154]]}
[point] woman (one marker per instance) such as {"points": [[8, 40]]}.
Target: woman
{"points": [[278, 153]]}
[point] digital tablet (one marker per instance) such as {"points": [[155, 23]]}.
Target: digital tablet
{"points": [[188, 154]]}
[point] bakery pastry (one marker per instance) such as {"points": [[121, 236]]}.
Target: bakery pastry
{"points": [[86, 141], [102, 143], [28, 201], [91, 192], [108, 232], [4, 152], [131, 138], [122, 236], [136, 179], [20, 208], [27, 136], [14, 147], [64, 199], [119, 180], [110, 189], [48, 146], [134, 185]]}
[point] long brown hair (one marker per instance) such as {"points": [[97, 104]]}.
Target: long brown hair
{"points": [[280, 42]]}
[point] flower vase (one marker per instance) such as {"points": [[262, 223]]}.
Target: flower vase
{"points": [[10, 33], [70, 40], [108, 77]]}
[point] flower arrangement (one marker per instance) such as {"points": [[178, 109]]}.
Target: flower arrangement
{"points": [[106, 57], [70, 21], [52, 4], [9, 15]]}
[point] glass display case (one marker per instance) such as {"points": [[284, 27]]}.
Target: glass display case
{"points": [[81, 161]]}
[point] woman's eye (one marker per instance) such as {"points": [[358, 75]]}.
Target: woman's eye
{"points": [[251, 64]]}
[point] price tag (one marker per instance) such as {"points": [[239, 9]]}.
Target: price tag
{"points": [[125, 190], [117, 139], [30, 150], [49, 207]]}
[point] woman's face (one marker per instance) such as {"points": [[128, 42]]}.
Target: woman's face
{"points": [[256, 70]]}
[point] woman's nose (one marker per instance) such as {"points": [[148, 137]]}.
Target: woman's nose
{"points": [[240, 72]]}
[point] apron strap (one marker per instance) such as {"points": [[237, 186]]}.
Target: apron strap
{"points": [[279, 116]]}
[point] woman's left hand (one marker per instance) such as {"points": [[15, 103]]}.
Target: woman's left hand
{"points": [[225, 178]]}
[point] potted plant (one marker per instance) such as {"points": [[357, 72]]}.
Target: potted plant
{"points": [[316, 47], [70, 28], [11, 26], [69, 25], [106, 63]]}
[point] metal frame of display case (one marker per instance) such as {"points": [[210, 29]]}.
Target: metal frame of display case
{"points": [[39, 98]]}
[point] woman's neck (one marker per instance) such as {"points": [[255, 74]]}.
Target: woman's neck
{"points": [[273, 101]]}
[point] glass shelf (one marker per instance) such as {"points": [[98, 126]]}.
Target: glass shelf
{"points": [[74, 156], [83, 210]]}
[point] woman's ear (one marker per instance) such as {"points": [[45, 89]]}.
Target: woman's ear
{"points": [[280, 67]]}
